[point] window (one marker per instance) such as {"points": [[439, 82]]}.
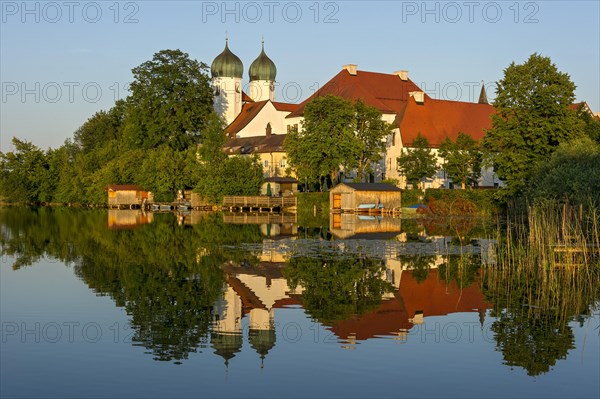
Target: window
{"points": [[393, 138], [266, 163], [282, 163]]}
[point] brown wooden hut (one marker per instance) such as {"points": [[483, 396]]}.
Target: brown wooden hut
{"points": [[127, 196], [364, 197]]}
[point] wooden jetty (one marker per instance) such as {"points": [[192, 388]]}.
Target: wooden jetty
{"points": [[260, 203], [259, 218]]}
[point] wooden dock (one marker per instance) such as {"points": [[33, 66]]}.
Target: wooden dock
{"points": [[260, 203], [259, 218]]}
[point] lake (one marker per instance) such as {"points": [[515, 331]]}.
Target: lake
{"points": [[103, 303]]}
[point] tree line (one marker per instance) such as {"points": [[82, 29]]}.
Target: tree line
{"points": [[166, 136], [153, 138]]}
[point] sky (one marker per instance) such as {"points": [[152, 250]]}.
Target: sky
{"points": [[63, 61]]}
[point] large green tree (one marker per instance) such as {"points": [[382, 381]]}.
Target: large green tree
{"points": [[326, 141], [533, 117], [463, 159], [417, 162], [337, 133], [170, 102], [371, 132]]}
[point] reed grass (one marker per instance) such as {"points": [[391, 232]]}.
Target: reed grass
{"points": [[548, 259]]}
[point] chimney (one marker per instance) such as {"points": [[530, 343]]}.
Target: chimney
{"points": [[351, 68], [419, 96], [403, 74], [268, 129]]}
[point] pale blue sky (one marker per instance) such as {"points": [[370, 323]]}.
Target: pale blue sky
{"points": [[63, 61]]}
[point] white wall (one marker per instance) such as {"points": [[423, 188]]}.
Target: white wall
{"points": [[228, 101], [268, 114]]}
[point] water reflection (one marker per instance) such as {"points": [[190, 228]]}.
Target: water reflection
{"points": [[217, 283]]}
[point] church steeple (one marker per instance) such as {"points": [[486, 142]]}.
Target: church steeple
{"points": [[483, 95], [262, 77], [227, 70]]}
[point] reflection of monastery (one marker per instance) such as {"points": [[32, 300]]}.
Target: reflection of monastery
{"points": [[257, 291], [254, 292]]}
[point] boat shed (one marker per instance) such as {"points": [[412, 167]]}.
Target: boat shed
{"points": [[364, 197], [127, 196]]}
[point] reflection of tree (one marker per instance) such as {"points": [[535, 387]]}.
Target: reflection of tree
{"points": [[462, 269], [419, 265], [335, 286], [533, 308], [532, 341], [156, 272]]}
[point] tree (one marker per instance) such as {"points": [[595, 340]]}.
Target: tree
{"points": [[591, 124], [533, 117], [171, 101], [327, 140], [101, 128], [371, 132], [463, 159], [24, 173], [418, 162], [570, 174], [219, 175]]}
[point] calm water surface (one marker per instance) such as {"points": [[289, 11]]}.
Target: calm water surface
{"points": [[125, 304]]}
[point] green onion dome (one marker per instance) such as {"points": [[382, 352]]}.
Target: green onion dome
{"points": [[263, 68], [227, 65]]}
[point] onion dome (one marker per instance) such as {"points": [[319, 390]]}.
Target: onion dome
{"points": [[262, 341], [227, 65], [263, 68], [226, 345]]}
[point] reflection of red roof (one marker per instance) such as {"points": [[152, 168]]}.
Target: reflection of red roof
{"points": [[388, 319], [434, 298], [386, 92], [438, 119]]}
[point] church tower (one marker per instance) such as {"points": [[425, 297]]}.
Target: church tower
{"points": [[227, 70], [262, 77]]}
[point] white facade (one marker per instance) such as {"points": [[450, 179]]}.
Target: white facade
{"points": [[261, 90], [267, 115], [227, 97]]}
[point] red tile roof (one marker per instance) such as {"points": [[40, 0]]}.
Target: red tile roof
{"points": [[249, 111], [386, 92], [284, 106], [438, 119], [246, 98]]}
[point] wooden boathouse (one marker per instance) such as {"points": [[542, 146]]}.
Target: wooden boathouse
{"points": [[365, 198], [128, 196]]}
